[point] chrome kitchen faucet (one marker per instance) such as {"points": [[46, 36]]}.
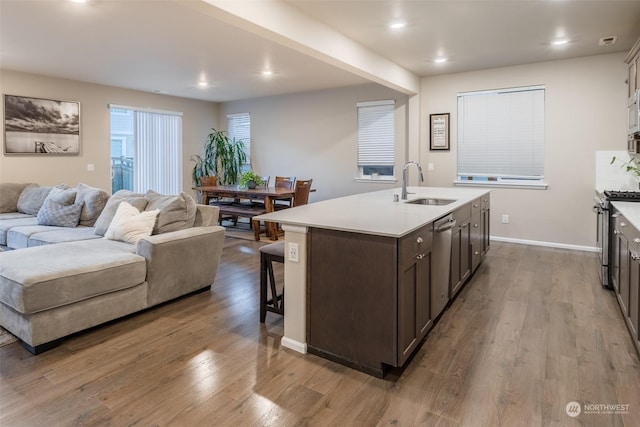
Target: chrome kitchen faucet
{"points": [[404, 177]]}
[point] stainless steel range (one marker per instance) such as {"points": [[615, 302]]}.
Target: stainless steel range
{"points": [[604, 222]]}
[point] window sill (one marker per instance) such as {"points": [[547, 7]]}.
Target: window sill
{"points": [[529, 186], [376, 181]]}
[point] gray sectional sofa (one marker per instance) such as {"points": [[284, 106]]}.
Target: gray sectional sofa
{"points": [[74, 258]]}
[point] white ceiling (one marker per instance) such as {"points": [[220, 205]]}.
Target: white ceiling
{"points": [[169, 45]]}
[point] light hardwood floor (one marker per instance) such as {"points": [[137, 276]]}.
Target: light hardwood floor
{"points": [[531, 332]]}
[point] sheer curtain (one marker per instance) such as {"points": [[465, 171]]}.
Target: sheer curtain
{"points": [[158, 153]]}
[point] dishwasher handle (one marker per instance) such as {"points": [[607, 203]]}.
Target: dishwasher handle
{"points": [[446, 226]]}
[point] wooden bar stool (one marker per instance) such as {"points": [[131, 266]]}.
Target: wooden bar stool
{"points": [[269, 254]]}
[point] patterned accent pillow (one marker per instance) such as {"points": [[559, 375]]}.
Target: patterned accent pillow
{"points": [[58, 214], [130, 225]]}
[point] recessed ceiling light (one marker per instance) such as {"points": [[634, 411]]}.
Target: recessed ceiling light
{"points": [[396, 25], [267, 73], [560, 42], [203, 83], [78, 1], [440, 60], [606, 41]]}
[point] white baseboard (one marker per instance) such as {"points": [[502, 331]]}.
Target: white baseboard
{"points": [[300, 347], [547, 244]]}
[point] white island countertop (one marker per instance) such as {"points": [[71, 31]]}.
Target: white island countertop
{"points": [[376, 212]]}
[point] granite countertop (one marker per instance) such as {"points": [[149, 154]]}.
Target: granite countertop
{"points": [[630, 210], [376, 212]]}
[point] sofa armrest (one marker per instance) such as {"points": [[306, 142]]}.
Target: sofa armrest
{"points": [[180, 262]]}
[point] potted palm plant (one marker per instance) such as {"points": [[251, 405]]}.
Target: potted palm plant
{"points": [[223, 158]]}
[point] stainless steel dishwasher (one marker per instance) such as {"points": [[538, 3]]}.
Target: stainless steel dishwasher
{"points": [[440, 263]]}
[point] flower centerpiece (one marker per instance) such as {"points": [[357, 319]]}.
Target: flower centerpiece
{"points": [[250, 180]]}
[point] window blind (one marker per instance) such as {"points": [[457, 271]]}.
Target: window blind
{"points": [[239, 127], [158, 153], [376, 133], [501, 134]]}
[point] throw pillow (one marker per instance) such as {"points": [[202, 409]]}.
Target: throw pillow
{"points": [[130, 225], [31, 199], [176, 212], [106, 216], [63, 195], [58, 214], [9, 195], [94, 200]]}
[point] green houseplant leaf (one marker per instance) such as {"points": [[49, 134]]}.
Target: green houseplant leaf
{"points": [[223, 157]]}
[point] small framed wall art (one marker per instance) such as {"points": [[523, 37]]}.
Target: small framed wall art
{"points": [[439, 131], [35, 126]]}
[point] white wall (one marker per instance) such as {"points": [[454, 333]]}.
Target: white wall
{"points": [[198, 118], [313, 135], [585, 111]]}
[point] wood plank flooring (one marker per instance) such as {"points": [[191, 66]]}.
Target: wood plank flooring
{"points": [[531, 332]]}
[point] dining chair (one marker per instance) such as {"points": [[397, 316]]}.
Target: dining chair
{"points": [[302, 190], [287, 182]]}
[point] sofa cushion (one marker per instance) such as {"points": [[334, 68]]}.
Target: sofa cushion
{"points": [[134, 199], [9, 195], [8, 224], [176, 212], [130, 225], [39, 278], [13, 215], [95, 199], [60, 235], [58, 214], [18, 237], [32, 198]]}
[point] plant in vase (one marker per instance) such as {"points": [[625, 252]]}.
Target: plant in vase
{"points": [[250, 180], [632, 166]]}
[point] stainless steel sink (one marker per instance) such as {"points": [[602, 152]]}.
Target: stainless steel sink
{"points": [[430, 201]]}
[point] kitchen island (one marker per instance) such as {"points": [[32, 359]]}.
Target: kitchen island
{"points": [[360, 292]]}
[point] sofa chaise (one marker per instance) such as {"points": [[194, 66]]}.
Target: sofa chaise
{"points": [[74, 258]]}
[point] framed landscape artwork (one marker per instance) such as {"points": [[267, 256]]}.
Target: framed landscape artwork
{"points": [[38, 126]]}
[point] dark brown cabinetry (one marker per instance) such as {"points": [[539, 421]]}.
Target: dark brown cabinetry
{"points": [[626, 272], [414, 291], [460, 249], [369, 297]]}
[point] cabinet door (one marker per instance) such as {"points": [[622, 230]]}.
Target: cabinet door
{"points": [[622, 266], [615, 254], [486, 215], [414, 291], [460, 257], [632, 81], [634, 295]]}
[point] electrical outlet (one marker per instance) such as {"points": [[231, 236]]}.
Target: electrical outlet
{"points": [[505, 219], [430, 166], [293, 252]]}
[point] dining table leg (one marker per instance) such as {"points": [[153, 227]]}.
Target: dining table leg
{"points": [[271, 228]]}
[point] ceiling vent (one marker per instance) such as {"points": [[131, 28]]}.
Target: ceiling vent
{"points": [[606, 41]]}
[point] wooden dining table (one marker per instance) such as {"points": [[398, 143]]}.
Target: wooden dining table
{"points": [[269, 195]]}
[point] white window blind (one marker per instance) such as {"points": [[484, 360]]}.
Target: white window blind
{"points": [[376, 134], [158, 153], [501, 135], [239, 127]]}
